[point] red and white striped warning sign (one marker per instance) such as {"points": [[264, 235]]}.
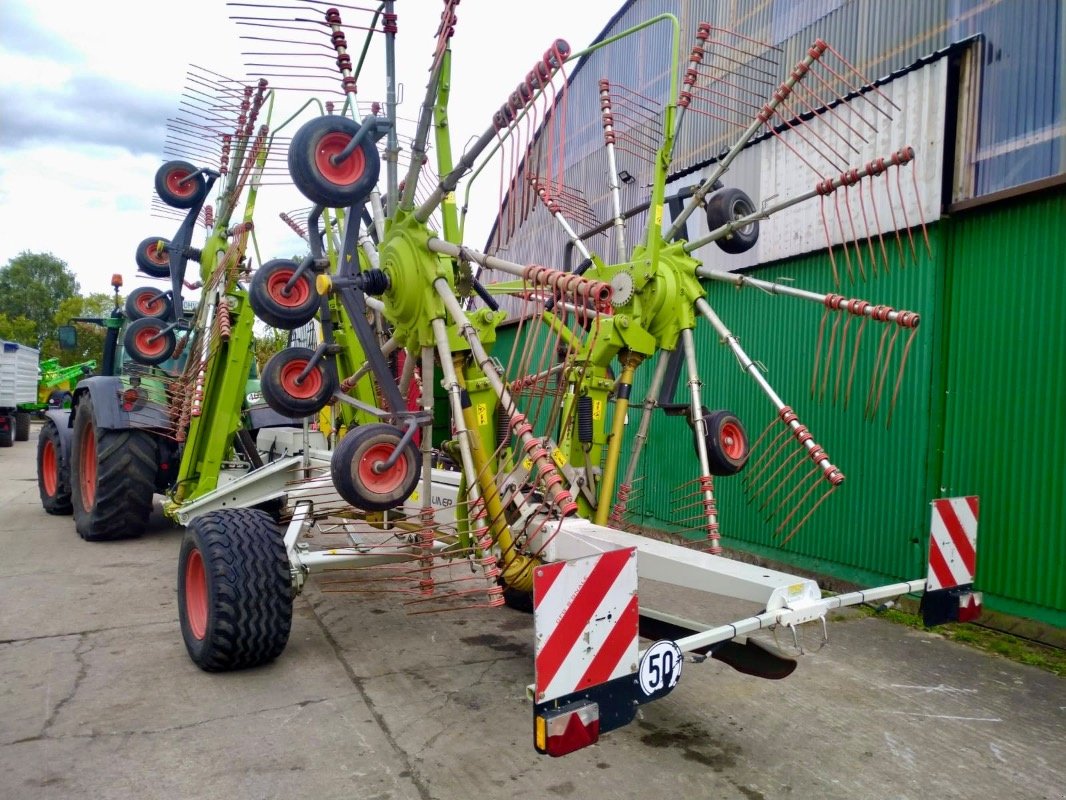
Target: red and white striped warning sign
{"points": [[585, 617], [952, 543]]}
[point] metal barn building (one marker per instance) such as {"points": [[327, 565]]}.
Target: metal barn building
{"points": [[978, 89]]}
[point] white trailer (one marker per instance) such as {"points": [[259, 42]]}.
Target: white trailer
{"points": [[18, 385]]}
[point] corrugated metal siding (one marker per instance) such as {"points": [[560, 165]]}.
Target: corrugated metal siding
{"points": [[1021, 127], [1005, 426], [874, 526]]}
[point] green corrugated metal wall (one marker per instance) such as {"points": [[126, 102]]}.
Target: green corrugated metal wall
{"points": [[981, 410], [1005, 409]]}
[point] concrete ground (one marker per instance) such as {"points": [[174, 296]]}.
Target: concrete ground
{"points": [[98, 699]]}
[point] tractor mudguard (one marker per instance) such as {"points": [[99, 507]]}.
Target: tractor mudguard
{"points": [[106, 392]]}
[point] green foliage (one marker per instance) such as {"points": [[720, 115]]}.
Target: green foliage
{"points": [[32, 286], [90, 336], [268, 342], [18, 329]]}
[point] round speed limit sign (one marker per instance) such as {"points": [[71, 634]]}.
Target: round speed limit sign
{"points": [[660, 668]]}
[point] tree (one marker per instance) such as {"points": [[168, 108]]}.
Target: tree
{"points": [[90, 336], [18, 329], [33, 285], [267, 343]]}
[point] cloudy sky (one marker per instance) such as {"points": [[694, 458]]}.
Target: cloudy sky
{"points": [[86, 90]]}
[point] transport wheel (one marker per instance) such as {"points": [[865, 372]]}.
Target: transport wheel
{"points": [[313, 171], [727, 443], [153, 257], [234, 590], [22, 426], [53, 473], [148, 342], [286, 393], [356, 472], [270, 302], [145, 301], [7, 431], [725, 206], [180, 185], [112, 478]]}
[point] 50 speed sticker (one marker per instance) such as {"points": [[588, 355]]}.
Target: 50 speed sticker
{"points": [[660, 667]]}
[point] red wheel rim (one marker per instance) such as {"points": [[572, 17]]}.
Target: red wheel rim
{"points": [[157, 255], [49, 469], [149, 343], [175, 185], [297, 295], [387, 480], [145, 303], [311, 385], [88, 468], [196, 594], [348, 171], [732, 438]]}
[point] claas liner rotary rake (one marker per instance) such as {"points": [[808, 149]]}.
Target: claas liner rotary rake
{"points": [[459, 478]]}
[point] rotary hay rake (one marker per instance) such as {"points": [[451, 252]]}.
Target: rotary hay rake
{"points": [[404, 383]]}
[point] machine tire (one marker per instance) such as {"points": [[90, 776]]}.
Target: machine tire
{"points": [[53, 473], [291, 399], [147, 343], [152, 259], [173, 188], [22, 426], [726, 205], [144, 302], [324, 183], [265, 293], [728, 447], [351, 466], [7, 431], [234, 590], [112, 478]]}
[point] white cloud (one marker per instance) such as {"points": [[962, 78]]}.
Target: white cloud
{"points": [[82, 124]]}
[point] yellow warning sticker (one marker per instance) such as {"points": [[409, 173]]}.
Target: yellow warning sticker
{"points": [[527, 463], [558, 457], [597, 409], [482, 414]]}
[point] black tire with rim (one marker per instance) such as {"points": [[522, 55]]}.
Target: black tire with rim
{"points": [[317, 177], [112, 478], [726, 205], [286, 394], [353, 467], [266, 293], [153, 257], [146, 302], [148, 342], [180, 185], [22, 426], [7, 431], [53, 472], [234, 590], [727, 443]]}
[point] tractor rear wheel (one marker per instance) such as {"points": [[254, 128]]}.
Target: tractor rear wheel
{"points": [[22, 426], [53, 472], [234, 590], [112, 477]]}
